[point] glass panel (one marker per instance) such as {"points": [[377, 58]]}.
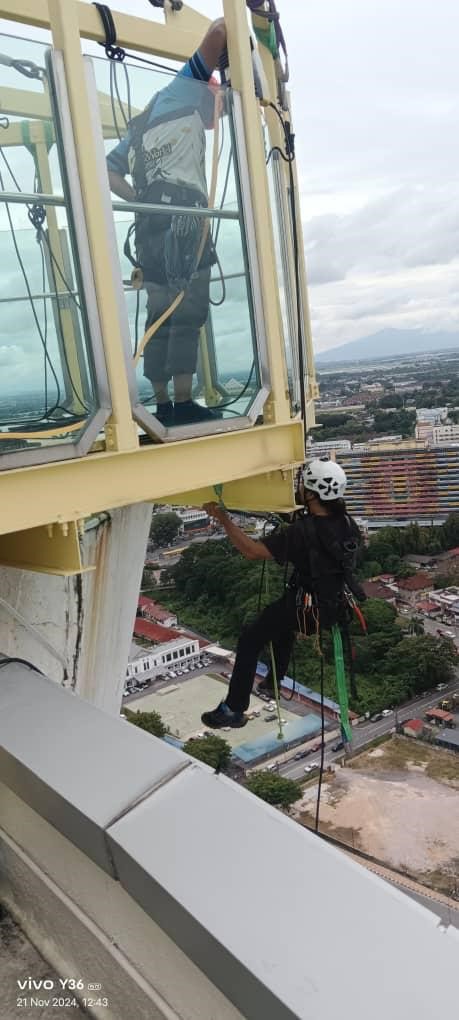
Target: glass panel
{"points": [[165, 153], [47, 384]]}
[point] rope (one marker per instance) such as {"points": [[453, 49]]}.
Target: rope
{"points": [[112, 50], [213, 190], [341, 685]]}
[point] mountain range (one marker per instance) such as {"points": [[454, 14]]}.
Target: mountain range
{"points": [[389, 342]]}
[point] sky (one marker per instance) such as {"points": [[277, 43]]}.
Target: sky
{"points": [[375, 95]]}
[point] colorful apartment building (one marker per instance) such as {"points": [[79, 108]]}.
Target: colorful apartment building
{"points": [[403, 483]]}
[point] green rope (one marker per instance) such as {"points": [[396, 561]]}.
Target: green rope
{"points": [[341, 685]]}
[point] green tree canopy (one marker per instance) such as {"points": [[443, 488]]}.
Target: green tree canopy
{"points": [[273, 788], [423, 661], [149, 721], [212, 750], [164, 528]]}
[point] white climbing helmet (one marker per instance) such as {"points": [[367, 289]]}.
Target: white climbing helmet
{"points": [[326, 478]]}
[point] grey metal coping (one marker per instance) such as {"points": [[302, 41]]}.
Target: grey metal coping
{"points": [[75, 765], [320, 938]]}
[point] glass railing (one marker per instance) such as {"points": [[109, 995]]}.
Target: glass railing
{"points": [[51, 394], [182, 243]]}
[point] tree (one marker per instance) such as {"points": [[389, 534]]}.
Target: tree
{"points": [[149, 721], [164, 528], [212, 750], [274, 789], [379, 615], [423, 661]]}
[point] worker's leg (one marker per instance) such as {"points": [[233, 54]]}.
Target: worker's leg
{"points": [[156, 352], [275, 624], [186, 324]]}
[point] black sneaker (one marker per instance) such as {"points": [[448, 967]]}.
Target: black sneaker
{"points": [[223, 716], [187, 412], [165, 413]]}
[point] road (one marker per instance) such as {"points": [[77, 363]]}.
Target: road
{"points": [[362, 734]]}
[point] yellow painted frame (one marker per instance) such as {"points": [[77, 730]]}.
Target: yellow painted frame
{"points": [[255, 465]]}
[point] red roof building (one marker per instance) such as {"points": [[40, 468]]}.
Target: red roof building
{"points": [[413, 726], [377, 590], [153, 611], [439, 715], [161, 635], [418, 582], [428, 607]]}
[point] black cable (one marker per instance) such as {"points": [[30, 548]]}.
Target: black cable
{"points": [[322, 729], [217, 304], [64, 350], [29, 294], [290, 151], [8, 660]]}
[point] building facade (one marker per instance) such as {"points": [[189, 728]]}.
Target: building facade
{"points": [[183, 651], [403, 483]]}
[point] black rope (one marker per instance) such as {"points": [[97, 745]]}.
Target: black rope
{"points": [[112, 50]]}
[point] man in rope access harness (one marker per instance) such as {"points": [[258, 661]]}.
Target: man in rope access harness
{"points": [[321, 544], [164, 152]]}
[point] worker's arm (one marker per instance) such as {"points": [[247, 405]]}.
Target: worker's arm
{"points": [[213, 44], [250, 550], [120, 186]]}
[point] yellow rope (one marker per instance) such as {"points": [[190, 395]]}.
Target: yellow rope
{"points": [[45, 433]]}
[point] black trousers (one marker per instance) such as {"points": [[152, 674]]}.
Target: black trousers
{"points": [[277, 623]]}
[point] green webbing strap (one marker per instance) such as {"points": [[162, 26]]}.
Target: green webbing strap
{"points": [[341, 685], [218, 489], [266, 34]]}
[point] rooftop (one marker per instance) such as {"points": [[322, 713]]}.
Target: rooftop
{"points": [[415, 583]]}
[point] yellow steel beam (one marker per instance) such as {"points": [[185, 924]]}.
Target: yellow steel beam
{"points": [[273, 492], [75, 489], [176, 40], [53, 549], [235, 11], [18, 103]]}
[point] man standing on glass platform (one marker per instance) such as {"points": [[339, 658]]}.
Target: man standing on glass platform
{"points": [[164, 152]]}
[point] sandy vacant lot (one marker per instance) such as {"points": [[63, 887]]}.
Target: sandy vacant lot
{"points": [[399, 803]]}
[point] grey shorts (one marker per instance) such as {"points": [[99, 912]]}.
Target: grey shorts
{"points": [[173, 350]]}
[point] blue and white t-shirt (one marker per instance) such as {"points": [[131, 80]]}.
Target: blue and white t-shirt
{"points": [[174, 146]]}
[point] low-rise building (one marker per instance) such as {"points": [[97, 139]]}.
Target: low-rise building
{"points": [[413, 728], [153, 611], [440, 717], [415, 588], [146, 664]]}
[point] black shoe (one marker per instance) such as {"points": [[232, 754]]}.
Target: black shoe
{"points": [[187, 412], [165, 413], [223, 716]]}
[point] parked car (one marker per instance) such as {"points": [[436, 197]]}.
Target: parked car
{"points": [[302, 754], [339, 746], [441, 687], [126, 694], [309, 768], [180, 672], [377, 717], [386, 711]]}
